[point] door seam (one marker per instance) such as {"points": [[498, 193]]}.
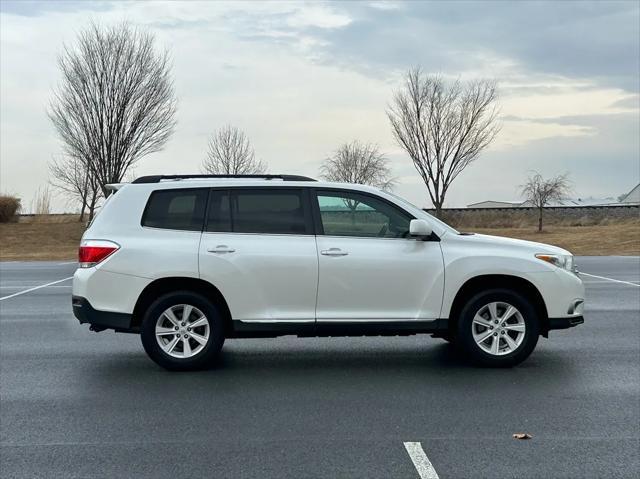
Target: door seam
{"points": [[315, 310]]}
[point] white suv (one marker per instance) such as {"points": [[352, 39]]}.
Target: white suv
{"points": [[187, 261]]}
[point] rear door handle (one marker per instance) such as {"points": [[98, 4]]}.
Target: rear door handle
{"points": [[333, 252], [221, 249]]}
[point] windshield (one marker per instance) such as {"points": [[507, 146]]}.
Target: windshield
{"points": [[432, 218]]}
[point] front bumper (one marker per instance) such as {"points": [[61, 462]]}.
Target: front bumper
{"points": [[100, 320]]}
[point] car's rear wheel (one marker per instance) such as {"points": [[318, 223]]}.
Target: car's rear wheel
{"points": [[182, 331], [498, 328]]}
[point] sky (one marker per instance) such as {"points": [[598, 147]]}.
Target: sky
{"points": [[301, 78]]}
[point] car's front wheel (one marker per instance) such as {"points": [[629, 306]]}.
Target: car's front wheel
{"points": [[498, 328], [182, 331]]}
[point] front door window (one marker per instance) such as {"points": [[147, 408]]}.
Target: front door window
{"points": [[362, 216]]}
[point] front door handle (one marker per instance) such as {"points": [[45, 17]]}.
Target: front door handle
{"points": [[333, 252], [221, 249]]}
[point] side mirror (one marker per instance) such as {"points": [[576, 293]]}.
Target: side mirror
{"points": [[420, 229]]}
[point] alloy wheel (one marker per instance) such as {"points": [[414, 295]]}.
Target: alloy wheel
{"points": [[182, 331], [498, 328]]}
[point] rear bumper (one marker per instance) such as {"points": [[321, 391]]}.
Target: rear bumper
{"points": [[100, 320], [565, 323]]}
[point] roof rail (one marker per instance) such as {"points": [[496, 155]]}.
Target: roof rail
{"points": [[158, 178]]}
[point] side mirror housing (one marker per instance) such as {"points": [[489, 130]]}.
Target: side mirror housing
{"points": [[420, 229]]}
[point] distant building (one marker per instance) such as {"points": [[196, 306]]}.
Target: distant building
{"points": [[495, 204], [571, 202], [633, 197]]}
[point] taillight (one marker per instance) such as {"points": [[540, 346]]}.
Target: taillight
{"points": [[92, 252]]}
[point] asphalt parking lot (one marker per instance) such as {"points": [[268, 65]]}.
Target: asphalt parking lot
{"points": [[80, 404]]}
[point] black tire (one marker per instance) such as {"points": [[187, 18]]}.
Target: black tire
{"points": [[211, 349], [467, 343]]}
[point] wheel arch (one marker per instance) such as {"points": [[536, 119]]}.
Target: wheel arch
{"points": [[490, 281], [166, 285]]}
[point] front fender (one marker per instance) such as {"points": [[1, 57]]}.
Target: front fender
{"points": [[462, 269]]}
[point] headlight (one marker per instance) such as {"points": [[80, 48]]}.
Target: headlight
{"points": [[564, 261]]}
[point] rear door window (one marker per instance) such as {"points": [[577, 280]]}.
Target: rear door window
{"points": [[270, 211], [181, 209]]}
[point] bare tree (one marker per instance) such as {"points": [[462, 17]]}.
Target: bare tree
{"points": [[540, 192], [358, 163], [71, 176], [231, 153], [443, 126], [115, 103]]}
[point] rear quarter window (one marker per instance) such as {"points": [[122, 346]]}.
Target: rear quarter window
{"points": [[176, 209]]}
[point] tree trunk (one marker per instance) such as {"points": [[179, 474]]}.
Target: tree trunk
{"points": [[92, 205], [84, 205], [540, 220], [438, 208]]}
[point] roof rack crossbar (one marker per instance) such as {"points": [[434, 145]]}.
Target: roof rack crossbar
{"points": [[158, 178]]}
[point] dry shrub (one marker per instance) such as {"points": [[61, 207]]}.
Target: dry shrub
{"points": [[583, 221], [9, 207], [41, 204], [52, 218]]}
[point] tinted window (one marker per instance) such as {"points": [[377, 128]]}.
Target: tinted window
{"points": [[352, 214], [270, 210], [219, 219], [176, 209]]}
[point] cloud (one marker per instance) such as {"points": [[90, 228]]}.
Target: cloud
{"points": [[631, 102], [318, 16], [386, 5], [580, 40], [30, 8], [301, 78]]}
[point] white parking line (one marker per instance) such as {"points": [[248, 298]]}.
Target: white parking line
{"points": [[52, 286], [420, 460], [611, 279], [33, 289]]}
